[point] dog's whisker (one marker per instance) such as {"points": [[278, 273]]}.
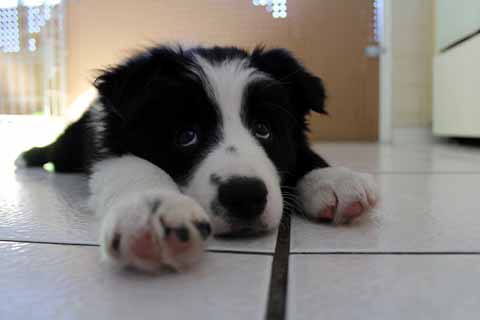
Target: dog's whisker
{"points": [[293, 199]]}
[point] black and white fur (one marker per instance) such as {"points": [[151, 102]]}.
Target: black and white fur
{"points": [[182, 142]]}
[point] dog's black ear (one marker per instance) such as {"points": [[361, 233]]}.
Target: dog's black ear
{"points": [[124, 88], [110, 84], [307, 90], [118, 85]]}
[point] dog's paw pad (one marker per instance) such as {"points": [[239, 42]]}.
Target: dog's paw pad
{"points": [[337, 194], [353, 211], [327, 214], [144, 247], [154, 231]]}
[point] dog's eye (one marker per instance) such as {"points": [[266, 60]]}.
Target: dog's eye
{"points": [[261, 130], [186, 138]]}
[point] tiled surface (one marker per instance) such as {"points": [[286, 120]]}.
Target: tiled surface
{"points": [[338, 287], [39, 206], [417, 212], [418, 158], [41, 281], [420, 245], [409, 266]]}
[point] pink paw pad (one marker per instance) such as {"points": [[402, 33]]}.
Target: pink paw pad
{"points": [[328, 213], [145, 247], [353, 211]]}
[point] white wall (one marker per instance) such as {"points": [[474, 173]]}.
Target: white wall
{"points": [[412, 53]]}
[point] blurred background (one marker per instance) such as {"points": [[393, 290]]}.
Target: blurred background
{"points": [[387, 64]]}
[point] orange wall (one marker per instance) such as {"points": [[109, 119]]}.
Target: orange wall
{"points": [[103, 32], [328, 36]]}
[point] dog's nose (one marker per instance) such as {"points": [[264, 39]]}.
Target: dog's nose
{"points": [[243, 197]]}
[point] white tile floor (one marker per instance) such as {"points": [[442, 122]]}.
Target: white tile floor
{"points": [[417, 255], [341, 287]]}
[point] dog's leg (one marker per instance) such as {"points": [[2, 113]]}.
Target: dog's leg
{"points": [[147, 222], [334, 194]]}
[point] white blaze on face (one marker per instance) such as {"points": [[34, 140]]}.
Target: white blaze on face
{"points": [[226, 83]]}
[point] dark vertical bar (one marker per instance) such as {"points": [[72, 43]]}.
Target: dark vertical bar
{"points": [[277, 295]]}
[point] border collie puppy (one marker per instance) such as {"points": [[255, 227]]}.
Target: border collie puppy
{"points": [[185, 142]]}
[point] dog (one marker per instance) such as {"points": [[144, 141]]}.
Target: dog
{"points": [[185, 142]]}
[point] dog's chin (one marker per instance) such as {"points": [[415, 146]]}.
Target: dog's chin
{"points": [[233, 228], [239, 231]]}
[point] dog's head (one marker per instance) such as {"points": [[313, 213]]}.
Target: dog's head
{"points": [[224, 123]]}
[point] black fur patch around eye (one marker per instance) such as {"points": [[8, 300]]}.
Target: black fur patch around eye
{"points": [[164, 95], [265, 101]]}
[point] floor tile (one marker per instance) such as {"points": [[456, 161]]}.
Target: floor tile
{"points": [[384, 287], [417, 212], [39, 206], [41, 281], [372, 157]]}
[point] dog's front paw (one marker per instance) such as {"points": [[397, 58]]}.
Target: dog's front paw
{"points": [[337, 194], [155, 230]]}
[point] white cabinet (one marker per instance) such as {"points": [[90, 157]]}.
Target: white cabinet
{"points": [[454, 20], [456, 68], [456, 90]]}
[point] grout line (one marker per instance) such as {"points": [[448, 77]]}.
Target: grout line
{"points": [[422, 172], [282, 245], [277, 293], [96, 245], [50, 242], [260, 253], [378, 253]]}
